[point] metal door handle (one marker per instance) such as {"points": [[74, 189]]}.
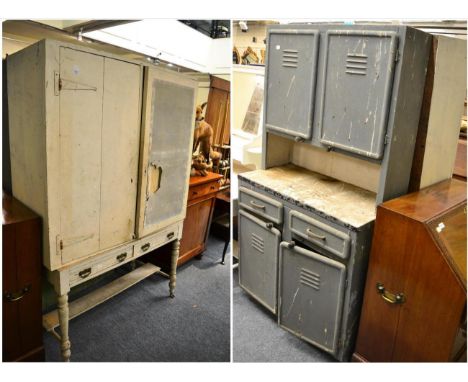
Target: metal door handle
{"points": [[121, 257], [310, 233], [170, 235], [15, 296], [391, 298], [85, 273], [256, 205], [145, 247]]}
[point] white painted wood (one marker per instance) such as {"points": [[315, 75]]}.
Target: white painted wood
{"points": [[447, 103], [63, 318], [120, 151], [355, 171], [81, 105], [51, 320], [173, 159], [172, 274]]}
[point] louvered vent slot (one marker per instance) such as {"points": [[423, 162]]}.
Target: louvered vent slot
{"points": [[257, 243], [310, 278], [290, 58], [356, 64]]}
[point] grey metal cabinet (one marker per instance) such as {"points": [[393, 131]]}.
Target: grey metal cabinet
{"points": [[311, 294], [334, 86], [356, 91], [291, 74], [259, 245]]}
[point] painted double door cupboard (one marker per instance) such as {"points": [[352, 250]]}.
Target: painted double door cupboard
{"points": [[101, 150]]}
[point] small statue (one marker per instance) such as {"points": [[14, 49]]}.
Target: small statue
{"points": [[203, 137]]}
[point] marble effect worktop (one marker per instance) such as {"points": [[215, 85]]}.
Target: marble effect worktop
{"points": [[331, 198]]}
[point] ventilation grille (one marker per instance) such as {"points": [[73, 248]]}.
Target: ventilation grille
{"points": [[290, 58], [310, 279], [356, 64], [257, 243]]}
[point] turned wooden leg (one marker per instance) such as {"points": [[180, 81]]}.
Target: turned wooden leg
{"points": [[172, 273], [65, 344]]}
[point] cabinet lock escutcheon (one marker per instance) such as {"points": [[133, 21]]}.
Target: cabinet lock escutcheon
{"points": [[391, 298], [84, 273]]}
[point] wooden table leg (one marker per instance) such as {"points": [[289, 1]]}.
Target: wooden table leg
{"points": [[65, 344], [172, 273]]}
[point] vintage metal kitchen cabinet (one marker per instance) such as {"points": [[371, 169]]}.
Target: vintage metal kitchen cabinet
{"points": [[342, 113], [100, 148]]}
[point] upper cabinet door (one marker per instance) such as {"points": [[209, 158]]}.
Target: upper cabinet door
{"points": [[356, 91], [120, 151], [168, 124], [290, 81], [81, 91]]}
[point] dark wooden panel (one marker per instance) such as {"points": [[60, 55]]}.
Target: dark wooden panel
{"points": [[21, 259]]}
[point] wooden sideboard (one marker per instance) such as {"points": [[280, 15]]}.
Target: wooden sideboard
{"points": [[21, 258], [200, 205], [414, 306]]}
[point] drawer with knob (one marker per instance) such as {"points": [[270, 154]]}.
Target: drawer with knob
{"points": [[99, 264], [202, 190], [148, 243], [320, 234]]}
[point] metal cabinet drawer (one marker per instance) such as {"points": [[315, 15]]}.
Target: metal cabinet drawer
{"points": [[258, 259], [320, 234], [311, 293], [261, 205], [147, 244], [99, 264]]}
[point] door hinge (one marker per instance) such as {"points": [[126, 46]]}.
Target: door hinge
{"points": [[386, 139], [57, 83], [397, 55]]}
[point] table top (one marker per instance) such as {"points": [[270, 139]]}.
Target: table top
{"points": [[341, 201]]}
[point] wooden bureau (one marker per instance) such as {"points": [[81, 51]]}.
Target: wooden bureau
{"points": [[21, 258], [414, 306], [200, 205]]}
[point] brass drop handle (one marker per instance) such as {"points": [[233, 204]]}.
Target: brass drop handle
{"points": [[170, 235], [314, 235], [15, 296], [122, 257], [256, 205], [85, 273], [391, 298]]}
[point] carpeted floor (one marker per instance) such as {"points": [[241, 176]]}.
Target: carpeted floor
{"points": [[258, 338], [144, 324]]}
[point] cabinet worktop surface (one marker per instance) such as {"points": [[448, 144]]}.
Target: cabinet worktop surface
{"points": [[349, 204]]}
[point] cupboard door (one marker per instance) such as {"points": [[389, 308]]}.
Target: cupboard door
{"points": [[167, 148], [120, 150], [258, 259], [81, 91], [290, 81], [311, 292], [356, 90]]}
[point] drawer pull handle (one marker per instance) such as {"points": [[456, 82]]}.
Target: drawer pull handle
{"points": [[122, 257], [212, 187], [269, 225], [314, 235], [391, 298], [170, 235], [145, 247], [195, 193], [15, 296], [85, 273], [256, 205]]}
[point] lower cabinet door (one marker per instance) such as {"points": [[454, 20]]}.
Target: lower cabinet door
{"points": [[258, 259], [311, 291]]}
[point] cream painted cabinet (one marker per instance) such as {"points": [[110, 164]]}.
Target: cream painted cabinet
{"points": [[101, 150]]}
